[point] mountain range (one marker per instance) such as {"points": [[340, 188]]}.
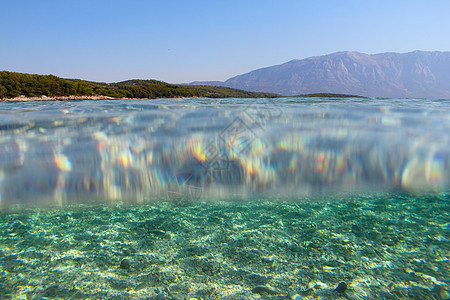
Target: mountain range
{"points": [[423, 74]]}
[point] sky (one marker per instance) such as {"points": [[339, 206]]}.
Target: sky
{"points": [[184, 41]]}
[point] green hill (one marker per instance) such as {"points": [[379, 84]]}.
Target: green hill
{"points": [[14, 84]]}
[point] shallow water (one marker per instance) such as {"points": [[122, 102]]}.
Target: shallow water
{"points": [[383, 246], [225, 199]]}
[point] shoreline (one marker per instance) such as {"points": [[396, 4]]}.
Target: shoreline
{"points": [[22, 98], [73, 97]]}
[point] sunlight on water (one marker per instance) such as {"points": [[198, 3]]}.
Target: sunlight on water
{"points": [[143, 150]]}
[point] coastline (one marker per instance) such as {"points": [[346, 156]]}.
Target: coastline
{"points": [[22, 98], [73, 97]]}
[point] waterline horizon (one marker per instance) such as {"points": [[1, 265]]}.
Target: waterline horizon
{"points": [[290, 198], [141, 150]]}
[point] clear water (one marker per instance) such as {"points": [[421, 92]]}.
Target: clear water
{"points": [[225, 199], [141, 150]]}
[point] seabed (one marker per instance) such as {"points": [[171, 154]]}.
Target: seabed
{"points": [[366, 246]]}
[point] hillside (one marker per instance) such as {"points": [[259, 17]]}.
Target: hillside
{"points": [[14, 84], [414, 74]]}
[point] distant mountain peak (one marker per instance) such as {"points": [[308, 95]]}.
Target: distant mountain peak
{"points": [[413, 74]]}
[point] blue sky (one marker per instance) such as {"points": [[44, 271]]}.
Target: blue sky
{"points": [[183, 41]]}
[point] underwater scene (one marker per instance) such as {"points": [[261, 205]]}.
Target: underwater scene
{"points": [[285, 198]]}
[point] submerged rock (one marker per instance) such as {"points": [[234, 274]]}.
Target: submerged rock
{"points": [[341, 288], [256, 279], [261, 289], [125, 264], [442, 292]]}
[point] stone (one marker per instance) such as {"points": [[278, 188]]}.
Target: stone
{"points": [[51, 291], [256, 279], [125, 264], [441, 292], [341, 288], [261, 289]]}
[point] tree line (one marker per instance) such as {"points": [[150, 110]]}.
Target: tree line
{"points": [[14, 84]]}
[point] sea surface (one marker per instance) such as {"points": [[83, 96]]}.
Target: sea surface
{"points": [[286, 198]]}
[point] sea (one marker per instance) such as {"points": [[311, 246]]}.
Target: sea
{"points": [[280, 198]]}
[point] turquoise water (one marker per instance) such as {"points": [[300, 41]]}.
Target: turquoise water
{"points": [[225, 199]]}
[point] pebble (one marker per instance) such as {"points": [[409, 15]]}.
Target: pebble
{"points": [[125, 264], [141, 286], [294, 296], [268, 259], [441, 292], [341, 288], [51, 291], [260, 289]]}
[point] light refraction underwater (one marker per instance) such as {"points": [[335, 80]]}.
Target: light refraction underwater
{"points": [[287, 198]]}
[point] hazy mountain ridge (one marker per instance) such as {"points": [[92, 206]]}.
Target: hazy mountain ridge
{"points": [[413, 74]]}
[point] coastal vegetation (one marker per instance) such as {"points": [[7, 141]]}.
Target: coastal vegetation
{"points": [[14, 84]]}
